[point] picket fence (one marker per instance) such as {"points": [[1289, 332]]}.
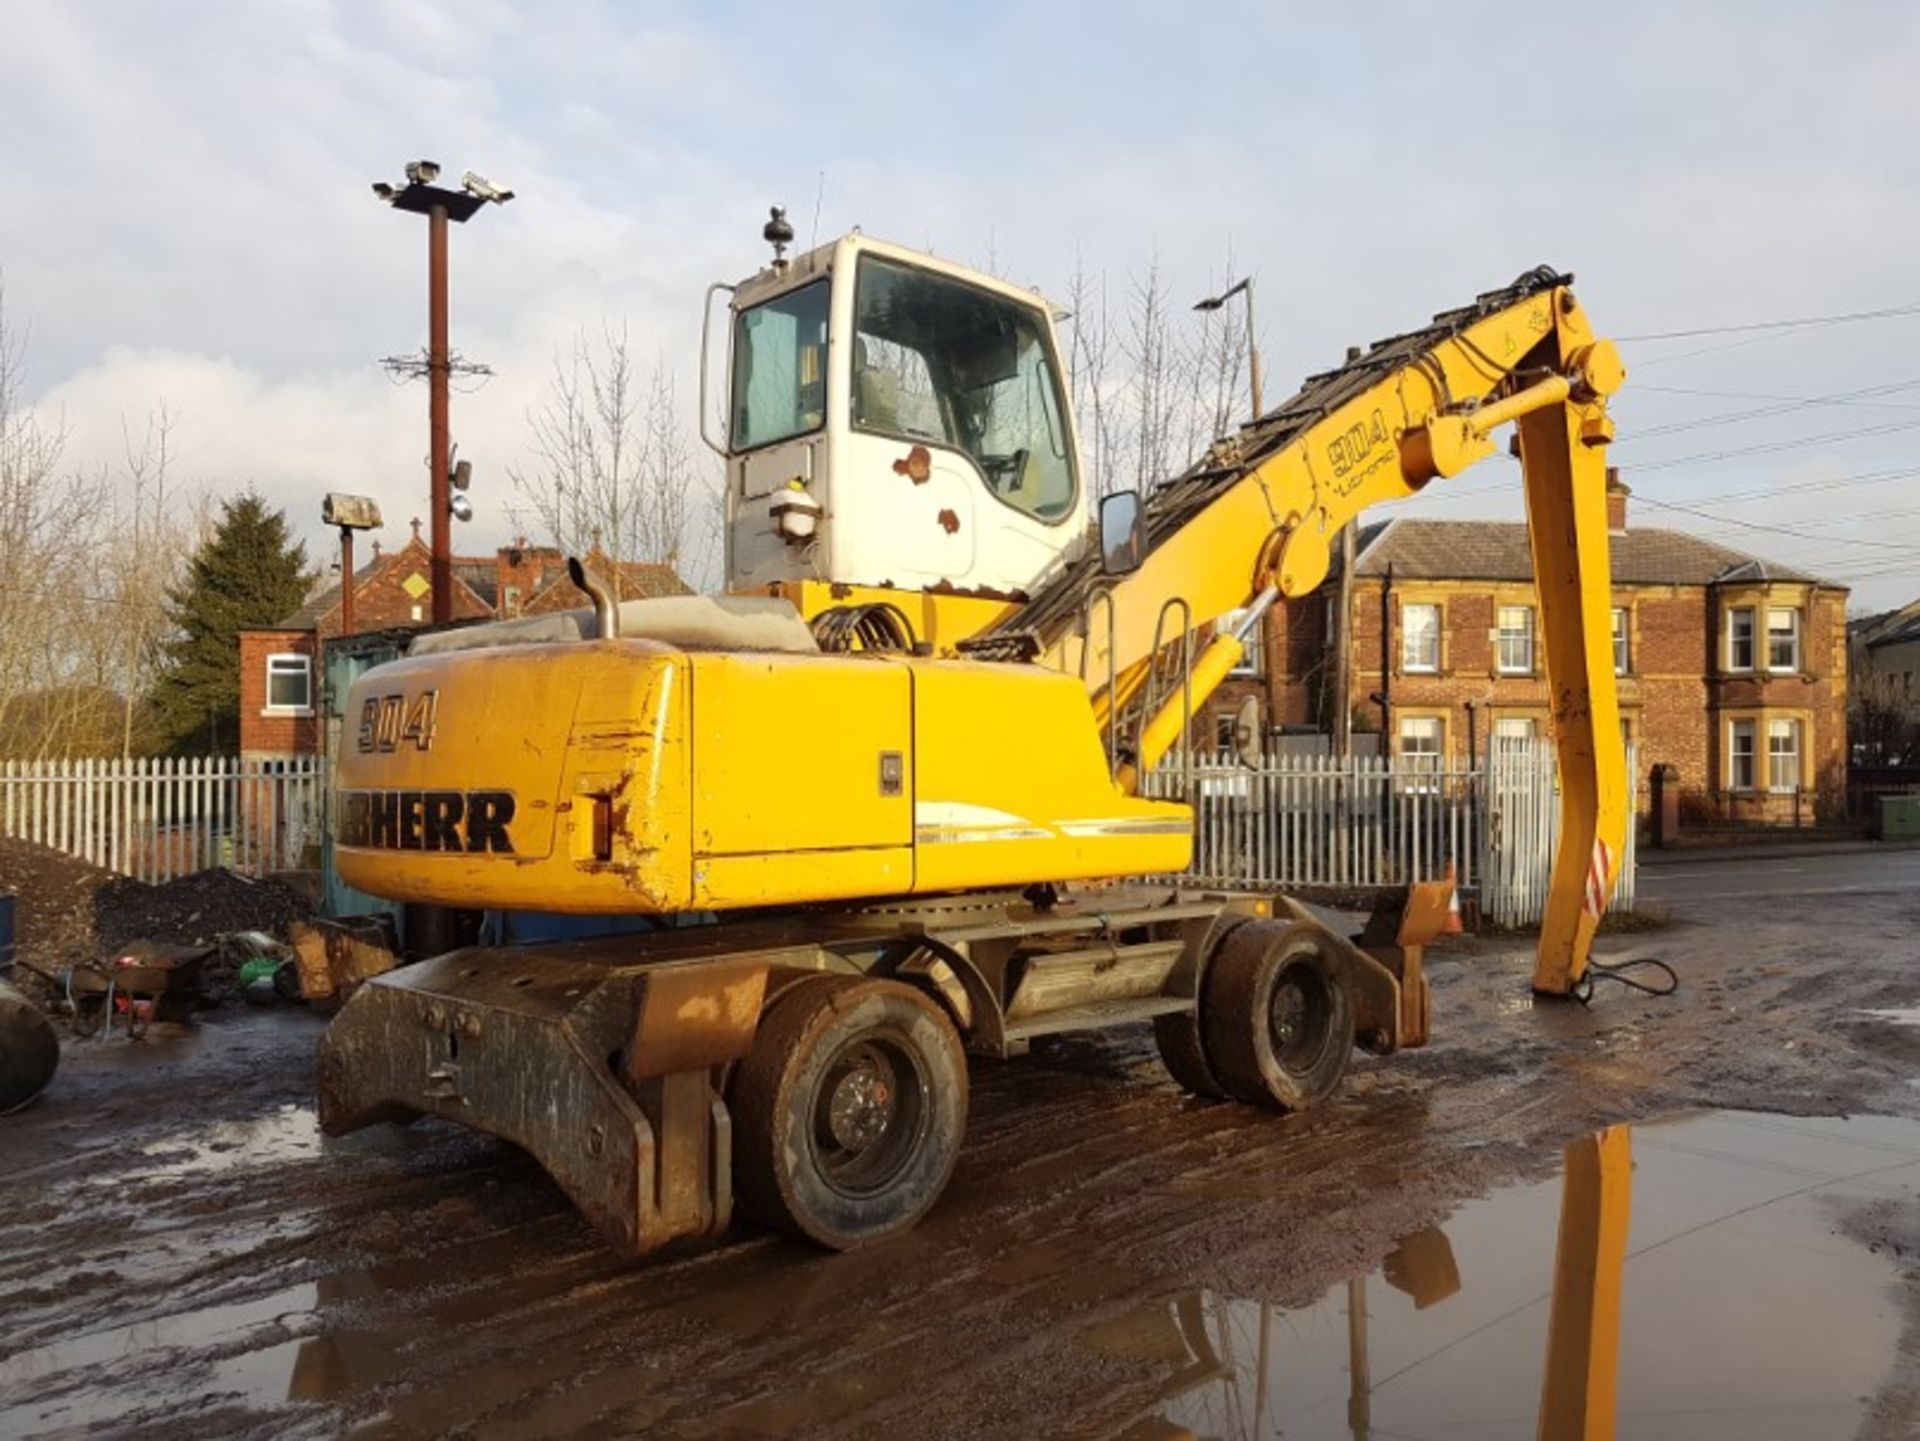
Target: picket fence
{"points": [[1313, 821], [1293, 821], [155, 819]]}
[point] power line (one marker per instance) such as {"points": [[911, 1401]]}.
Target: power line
{"points": [[1783, 406], [1639, 389], [1769, 492], [1759, 525], [1774, 446], [1804, 323]]}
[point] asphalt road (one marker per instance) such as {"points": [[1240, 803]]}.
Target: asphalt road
{"points": [[1685, 882]]}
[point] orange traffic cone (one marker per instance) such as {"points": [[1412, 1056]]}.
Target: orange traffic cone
{"points": [[1453, 926]]}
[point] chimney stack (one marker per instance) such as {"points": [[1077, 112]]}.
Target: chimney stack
{"points": [[1617, 493]]}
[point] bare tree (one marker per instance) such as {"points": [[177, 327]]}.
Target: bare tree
{"points": [[152, 530], [1089, 345], [48, 522], [613, 470], [1155, 357]]}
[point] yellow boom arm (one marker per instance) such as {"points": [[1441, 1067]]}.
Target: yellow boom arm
{"points": [[1259, 515]]}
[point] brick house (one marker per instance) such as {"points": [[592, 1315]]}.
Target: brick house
{"points": [[1885, 651], [280, 665], [1732, 669]]}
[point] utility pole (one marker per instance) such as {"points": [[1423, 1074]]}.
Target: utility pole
{"points": [[421, 196], [440, 571], [1214, 302]]}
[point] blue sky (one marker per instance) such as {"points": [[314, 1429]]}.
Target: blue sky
{"points": [[184, 209]]}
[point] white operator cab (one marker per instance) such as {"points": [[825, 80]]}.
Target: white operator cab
{"points": [[895, 420]]}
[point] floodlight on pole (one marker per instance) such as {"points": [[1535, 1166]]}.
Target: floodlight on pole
{"points": [[420, 196], [1214, 302], [349, 513]]}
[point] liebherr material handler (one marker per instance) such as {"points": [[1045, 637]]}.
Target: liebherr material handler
{"points": [[880, 798]]}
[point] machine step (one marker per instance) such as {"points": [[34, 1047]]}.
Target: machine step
{"points": [[1098, 1016]]}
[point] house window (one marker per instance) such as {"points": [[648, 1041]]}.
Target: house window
{"points": [[1420, 638], [510, 600], [1223, 729], [1783, 639], [1783, 756], [1513, 731], [1621, 658], [289, 685], [1249, 664], [1420, 738], [1740, 638], [1516, 640], [1740, 755]]}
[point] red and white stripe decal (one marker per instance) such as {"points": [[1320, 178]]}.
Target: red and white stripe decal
{"points": [[1599, 878]]}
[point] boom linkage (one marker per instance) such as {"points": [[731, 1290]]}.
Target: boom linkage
{"points": [[1256, 517]]}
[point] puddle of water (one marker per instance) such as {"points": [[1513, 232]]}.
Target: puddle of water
{"points": [[68, 1374], [1743, 1309], [1900, 1016], [291, 1133]]}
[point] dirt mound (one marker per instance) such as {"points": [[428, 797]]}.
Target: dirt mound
{"points": [[67, 911], [193, 908], [52, 900]]}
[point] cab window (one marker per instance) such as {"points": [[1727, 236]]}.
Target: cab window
{"points": [[779, 368], [938, 360]]}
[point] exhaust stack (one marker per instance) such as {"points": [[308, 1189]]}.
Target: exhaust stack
{"points": [[606, 610]]}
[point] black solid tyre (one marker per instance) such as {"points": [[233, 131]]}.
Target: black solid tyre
{"points": [[1277, 1021], [1178, 1039], [848, 1111]]}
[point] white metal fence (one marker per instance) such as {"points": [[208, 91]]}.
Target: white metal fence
{"points": [[1523, 829], [155, 819], [1303, 820]]}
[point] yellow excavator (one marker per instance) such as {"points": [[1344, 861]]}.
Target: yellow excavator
{"points": [[880, 805]]}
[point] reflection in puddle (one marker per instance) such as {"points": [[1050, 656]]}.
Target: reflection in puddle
{"points": [[1699, 1276], [72, 1365], [1656, 1283], [291, 1133]]}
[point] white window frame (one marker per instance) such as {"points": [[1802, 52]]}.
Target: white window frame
{"points": [[1502, 635], [1752, 730], [1622, 641], [1420, 769], [1251, 663], [1734, 663], [1792, 613], [1795, 733], [303, 665], [1409, 664]]}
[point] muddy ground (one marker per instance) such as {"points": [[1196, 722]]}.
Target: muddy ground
{"points": [[181, 1255]]}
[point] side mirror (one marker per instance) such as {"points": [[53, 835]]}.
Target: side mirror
{"points": [[1123, 532]]}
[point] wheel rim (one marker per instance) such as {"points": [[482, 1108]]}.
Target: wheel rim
{"points": [[1299, 1017], [869, 1114]]}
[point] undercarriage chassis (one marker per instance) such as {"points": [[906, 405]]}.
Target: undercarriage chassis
{"points": [[608, 1060]]}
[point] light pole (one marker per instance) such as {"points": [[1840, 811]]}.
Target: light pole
{"points": [[1214, 302], [421, 196], [349, 513]]}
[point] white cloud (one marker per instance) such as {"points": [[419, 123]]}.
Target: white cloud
{"points": [[188, 215]]}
